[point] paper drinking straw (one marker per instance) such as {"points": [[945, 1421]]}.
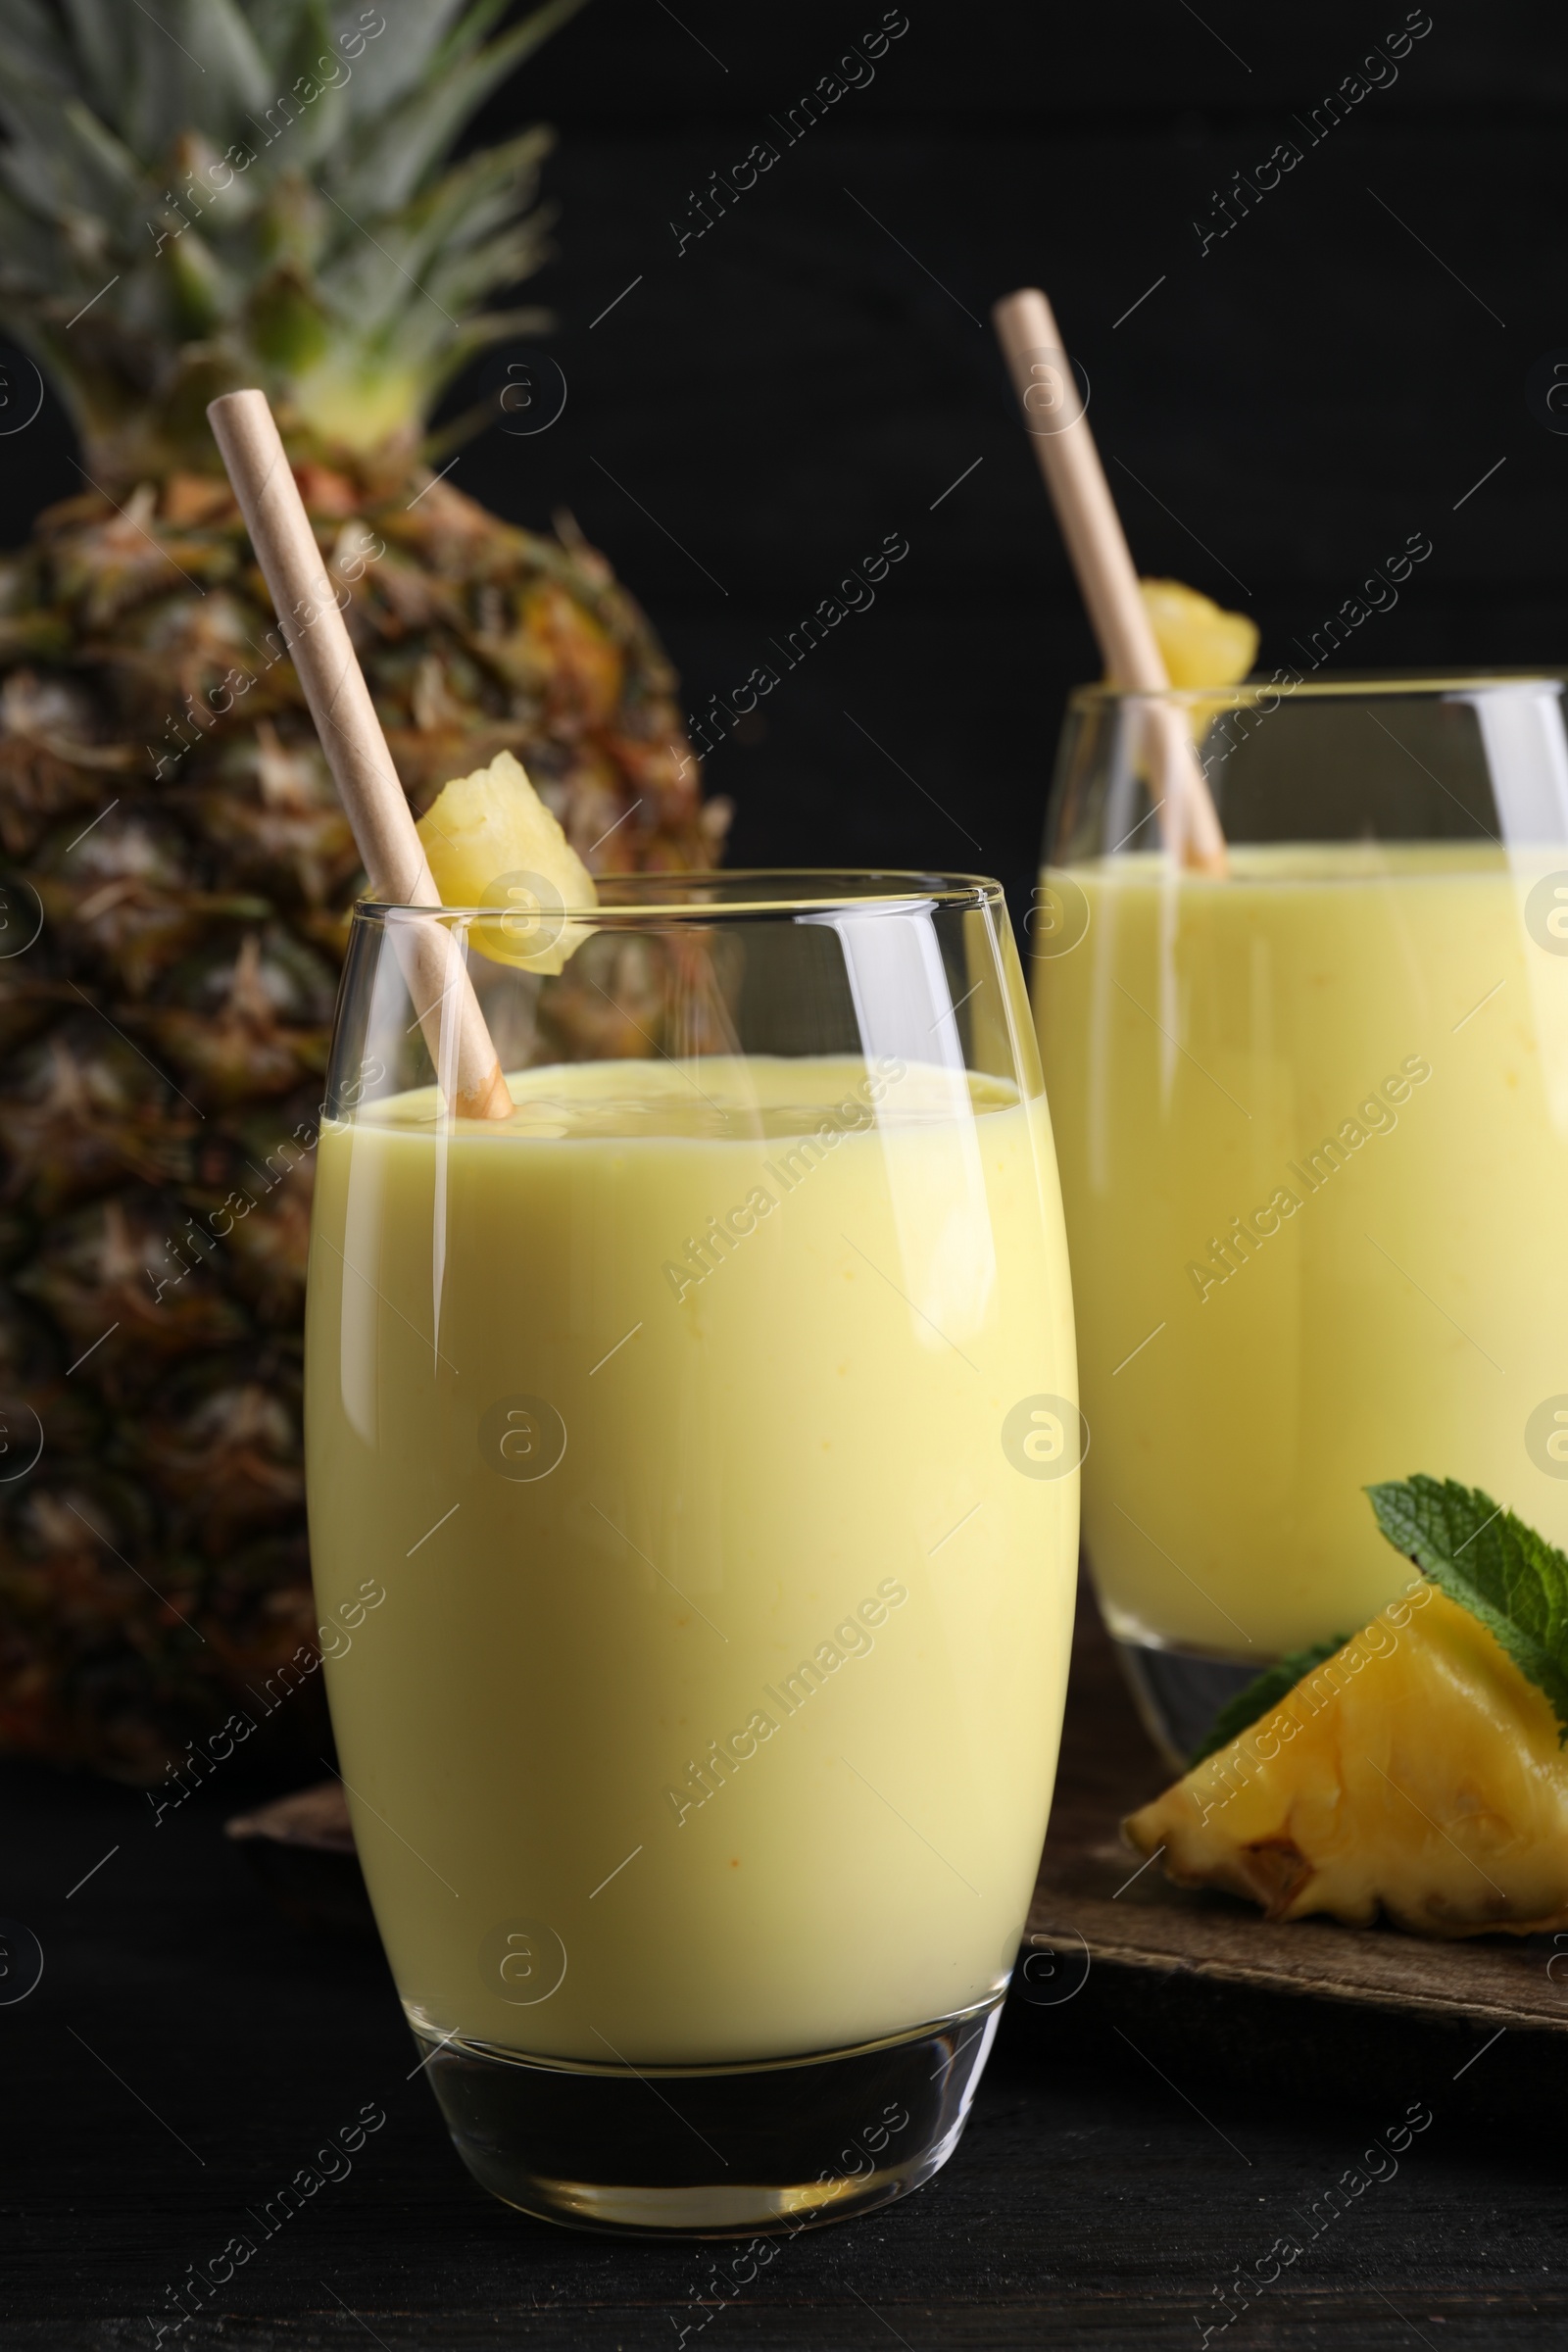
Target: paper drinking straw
{"points": [[1056, 415], [305, 599]]}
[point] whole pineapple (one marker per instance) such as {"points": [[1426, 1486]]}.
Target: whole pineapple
{"points": [[232, 192]]}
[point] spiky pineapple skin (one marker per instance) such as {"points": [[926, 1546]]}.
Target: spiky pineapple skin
{"points": [[167, 825]]}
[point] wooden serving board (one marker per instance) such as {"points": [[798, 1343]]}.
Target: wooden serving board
{"points": [[1196, 1983], [1212, 1983]]}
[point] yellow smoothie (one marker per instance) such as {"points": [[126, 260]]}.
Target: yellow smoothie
{"points": [[1312, 1123], [711, 1713]]}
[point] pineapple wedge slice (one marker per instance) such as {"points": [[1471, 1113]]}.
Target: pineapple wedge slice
{"points": [[1202, 644], [491, 841], [1416, 1770]]}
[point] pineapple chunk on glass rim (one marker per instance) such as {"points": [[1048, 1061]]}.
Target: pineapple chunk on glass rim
{"points": [[492, 842]]}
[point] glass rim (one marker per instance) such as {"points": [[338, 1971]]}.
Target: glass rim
{"points": [[777, 894], [1351, 686]]}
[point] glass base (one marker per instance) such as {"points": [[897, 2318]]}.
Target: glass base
{"points": [[711, 2151], [1178, 1693]]}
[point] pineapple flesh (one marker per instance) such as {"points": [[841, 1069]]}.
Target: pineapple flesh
{"points": [[491, 841], [1200, 643], [172, 228], [1416, 1773]]}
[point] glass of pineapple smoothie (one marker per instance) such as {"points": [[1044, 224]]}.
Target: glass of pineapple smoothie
{"points": [[710, 1424], [1312, 1121]]}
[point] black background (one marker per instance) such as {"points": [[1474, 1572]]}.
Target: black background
{"points": [[805, 379]]}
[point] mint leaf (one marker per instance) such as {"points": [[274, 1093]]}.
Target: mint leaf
{"points": [[1248, 1706], [1501, 1571]]}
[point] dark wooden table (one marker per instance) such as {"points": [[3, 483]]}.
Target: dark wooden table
{"points": [[187, 2051]]}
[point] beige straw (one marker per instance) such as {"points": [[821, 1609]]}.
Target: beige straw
{"points": [[305, 602], [1058, 426]]}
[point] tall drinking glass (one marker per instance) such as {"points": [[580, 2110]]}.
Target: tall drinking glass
{"points": [[711, 1427], [1312, 1119]]}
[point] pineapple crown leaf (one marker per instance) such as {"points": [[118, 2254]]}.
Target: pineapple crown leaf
{"points": [[244, 191], [151, 79], [442, 232], [424, 38], [421, 127], [33, 56], [102, 158], [465, 277], [1508, 1576]]}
